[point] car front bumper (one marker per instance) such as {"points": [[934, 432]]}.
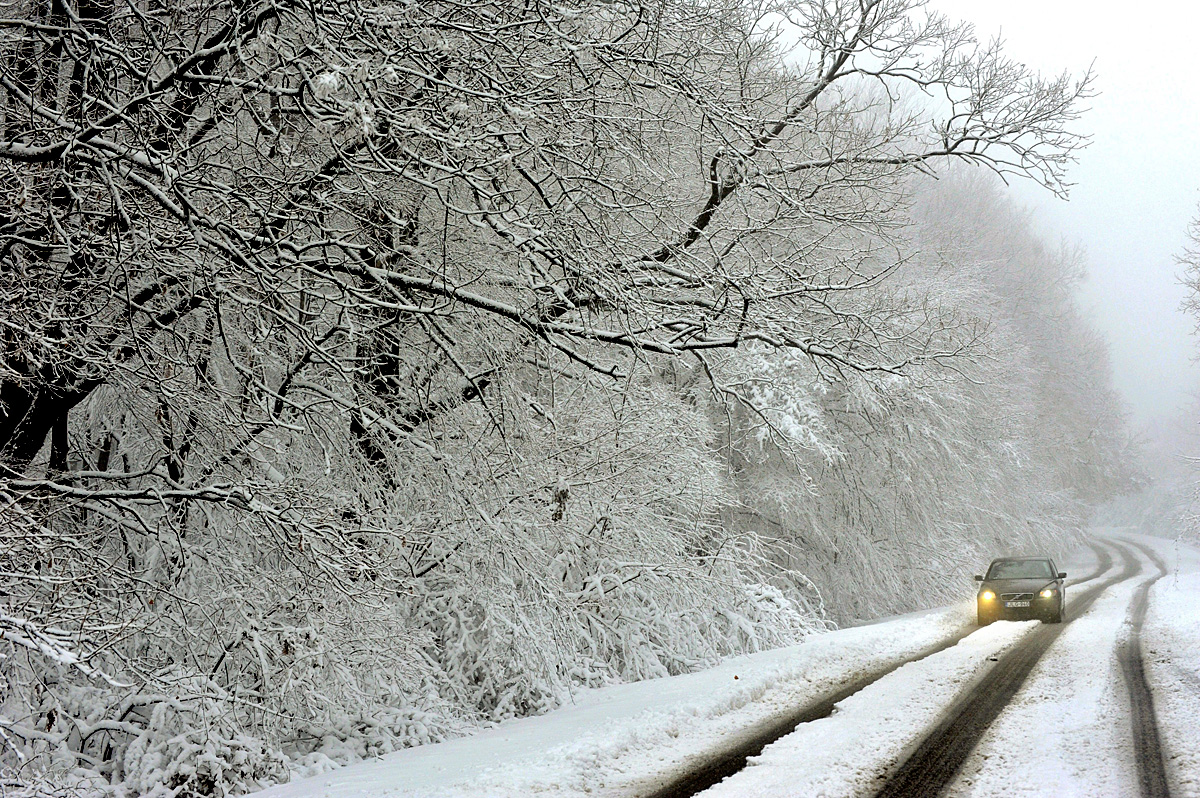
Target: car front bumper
{"points": [[1039, 607]]}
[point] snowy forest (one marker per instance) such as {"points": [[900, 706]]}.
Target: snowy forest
{"points": [[375, 370]]}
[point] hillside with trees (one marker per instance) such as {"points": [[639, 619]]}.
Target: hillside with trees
{"points": [[374, 371]]}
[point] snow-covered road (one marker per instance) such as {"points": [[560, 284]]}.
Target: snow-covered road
{"points": [[1010, 709], [1071, 722]]}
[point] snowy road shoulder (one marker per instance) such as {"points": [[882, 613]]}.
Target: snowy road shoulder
{"points": [[627, 734], [1170, 642]]}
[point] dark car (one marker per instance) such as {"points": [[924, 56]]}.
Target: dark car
{"points": [[1018, 588]]}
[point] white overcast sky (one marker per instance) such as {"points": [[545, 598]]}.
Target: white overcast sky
{"points": [[1136, 186]]}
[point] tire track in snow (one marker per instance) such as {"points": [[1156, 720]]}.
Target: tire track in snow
{"points": [[937, 758], [734, 758], [1152, 774], [1104, 564]]}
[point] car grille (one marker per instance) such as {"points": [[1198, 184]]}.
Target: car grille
{"points": [[1016, 596]]}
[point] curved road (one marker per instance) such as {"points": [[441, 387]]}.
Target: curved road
{"points": [[934, 760], [938, 757]]}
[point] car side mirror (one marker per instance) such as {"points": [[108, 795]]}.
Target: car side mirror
{"points": [[1062, 574], [978, 578]]}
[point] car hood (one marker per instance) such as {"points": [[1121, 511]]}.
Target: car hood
{"points": [[1017, 585]]}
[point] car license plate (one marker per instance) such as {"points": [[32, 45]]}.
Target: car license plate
{"points": [[1016, 604]]}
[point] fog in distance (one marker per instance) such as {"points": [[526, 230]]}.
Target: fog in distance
{"points": [[1136, 185]]}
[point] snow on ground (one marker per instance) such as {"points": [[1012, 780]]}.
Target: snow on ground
{"points": [[879, 724], [615, 738], [1070, 722], [1171, 653], [625, 733]]}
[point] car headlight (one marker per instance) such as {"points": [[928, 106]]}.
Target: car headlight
{"points": [[987, 595], [1048, 593]]}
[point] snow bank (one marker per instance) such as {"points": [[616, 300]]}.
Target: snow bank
{"points": [[619, 736], [1170, 642]]}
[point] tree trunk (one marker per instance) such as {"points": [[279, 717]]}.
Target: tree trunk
{"points": [[26, 418]]}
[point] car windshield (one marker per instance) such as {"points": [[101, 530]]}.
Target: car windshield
{"points": [[1020, 569]]}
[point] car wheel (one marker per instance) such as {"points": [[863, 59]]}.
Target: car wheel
{"points": [[984, 618], [1058, 615]]}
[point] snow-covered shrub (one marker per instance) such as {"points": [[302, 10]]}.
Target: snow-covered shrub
{"points": [[607, 562], [197, 764]]}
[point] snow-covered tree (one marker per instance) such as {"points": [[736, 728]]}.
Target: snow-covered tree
{"points": [[1183, 511], [370, 369], [885, 489]]}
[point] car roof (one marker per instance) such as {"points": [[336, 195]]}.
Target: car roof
{"points": [[1019, 559]]}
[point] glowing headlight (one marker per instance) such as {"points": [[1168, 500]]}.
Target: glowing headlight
{"points": [[987, 595], [1048, 592]]}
